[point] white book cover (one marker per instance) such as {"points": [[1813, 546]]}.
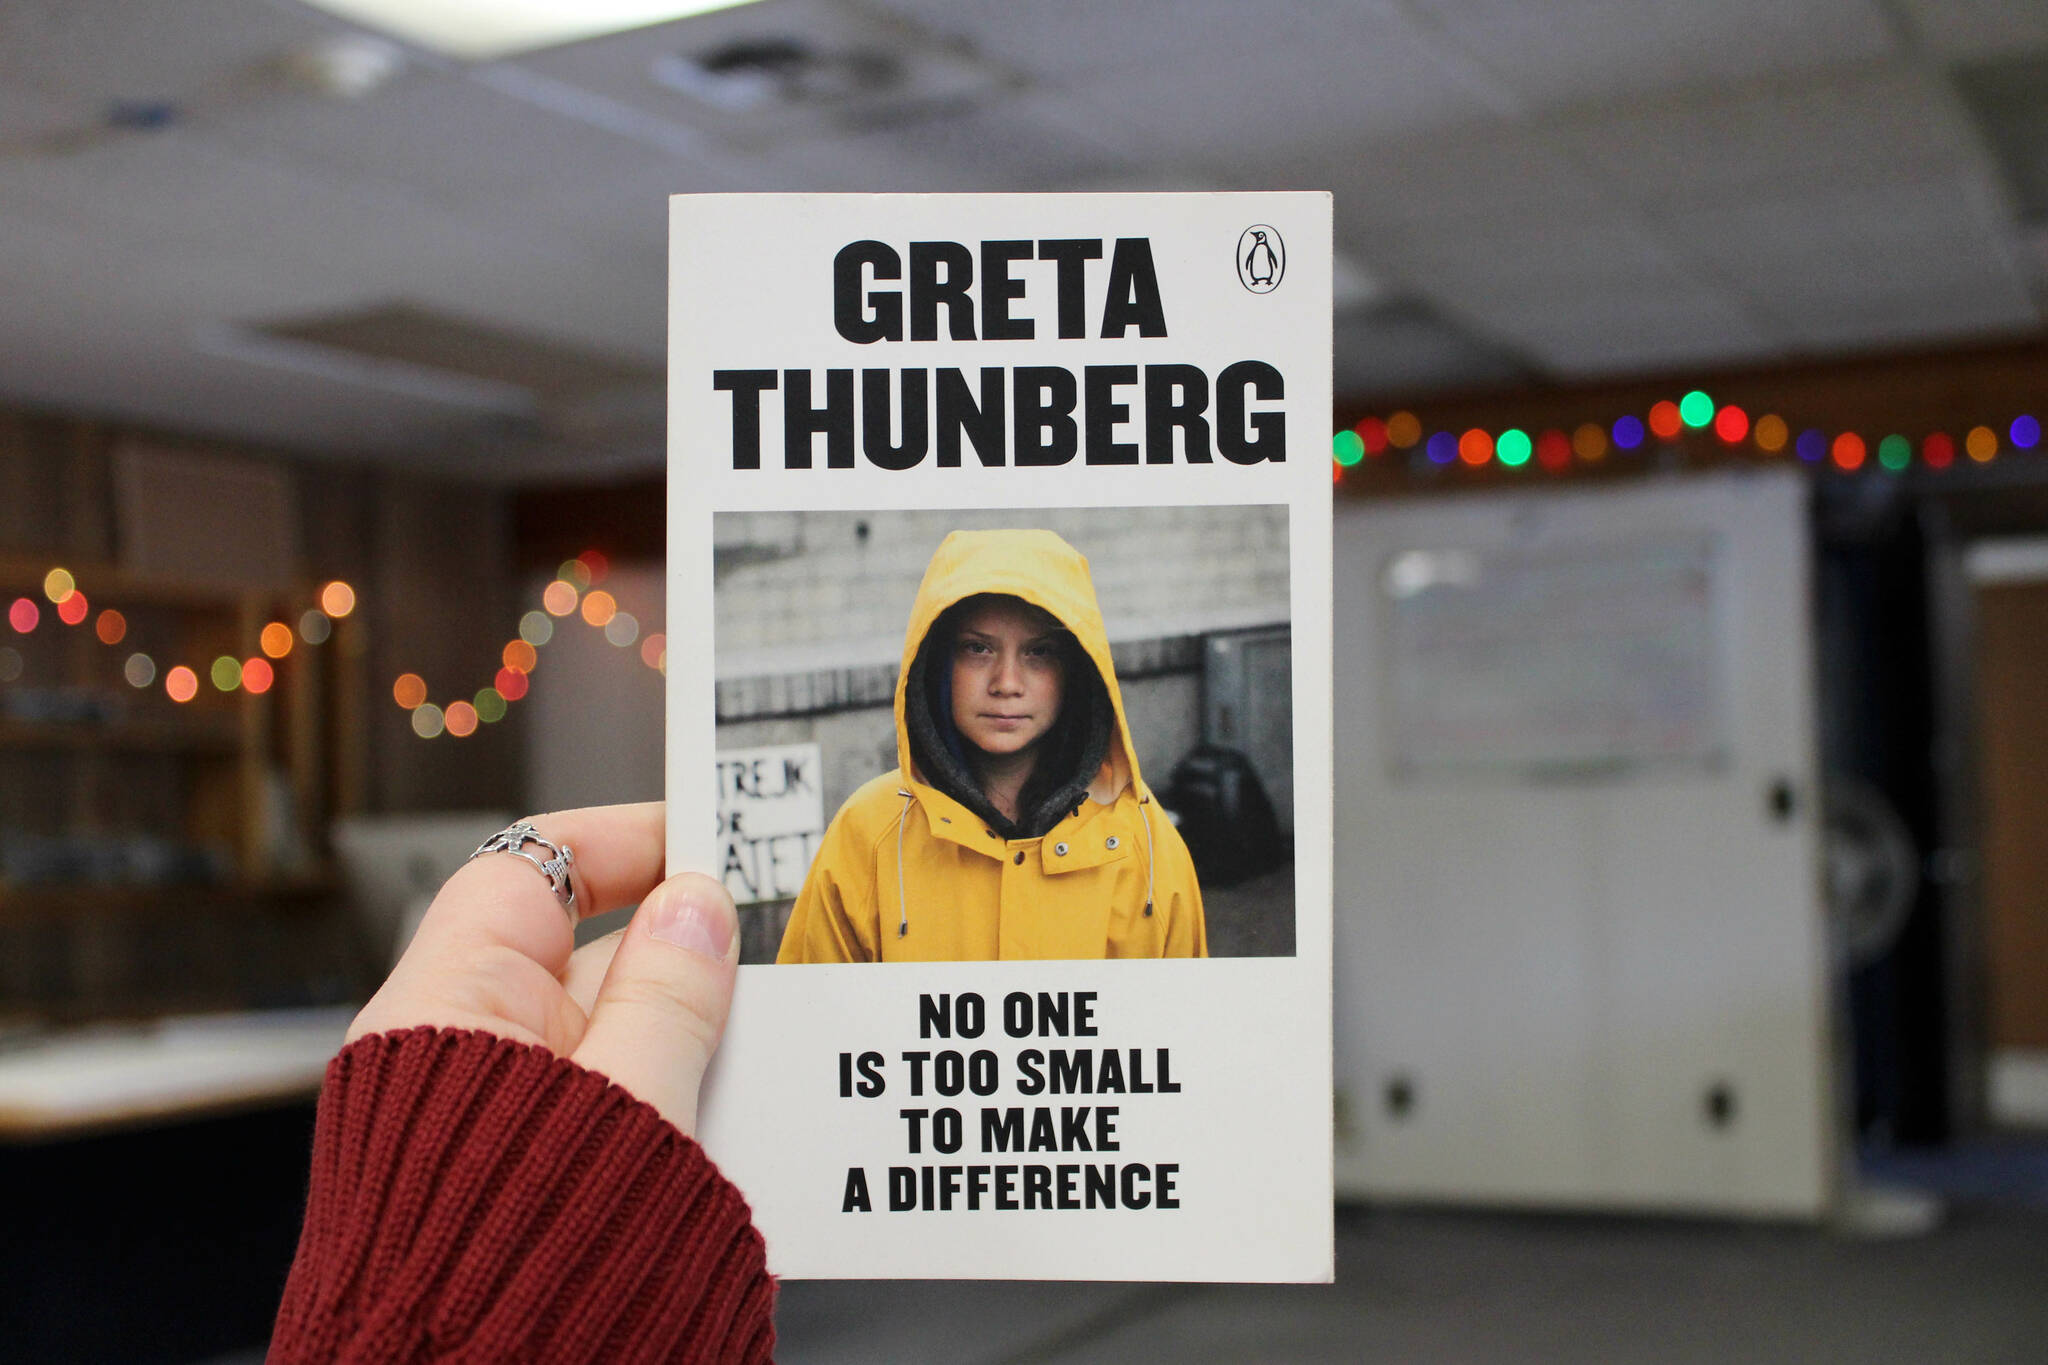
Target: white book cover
{"points": [[999, 693]]}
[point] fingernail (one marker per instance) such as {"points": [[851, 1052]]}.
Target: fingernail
{"points": [[692, 919]]}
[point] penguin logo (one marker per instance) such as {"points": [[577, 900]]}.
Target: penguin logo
{"points": [[1261, 258]]}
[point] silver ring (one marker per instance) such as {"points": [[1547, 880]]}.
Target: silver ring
{"points": [[556, 867]]}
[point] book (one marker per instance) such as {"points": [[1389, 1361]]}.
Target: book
{"points": [[999, 693]]}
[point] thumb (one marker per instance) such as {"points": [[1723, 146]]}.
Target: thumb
{"points": [[661, 1008]]}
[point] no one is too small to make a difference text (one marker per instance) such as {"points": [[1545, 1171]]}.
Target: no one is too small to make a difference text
{"points": [[1023, 1186]]}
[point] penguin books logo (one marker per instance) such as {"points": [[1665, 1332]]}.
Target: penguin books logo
{"points": [[1261, 258]]}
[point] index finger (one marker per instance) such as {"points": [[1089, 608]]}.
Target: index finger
{"points": [[501, 899]]}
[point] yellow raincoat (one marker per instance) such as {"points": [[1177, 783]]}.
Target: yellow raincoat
{"points": [[908, 873]]}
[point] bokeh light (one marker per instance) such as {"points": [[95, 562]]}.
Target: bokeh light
{"points": [[1475, 447], [536, 628], [575, 573], [1403, 430], [1443, 447], [511, 684], [1895, 452], [276, 639], [599, 607], [24, 615], [1938, 450], [595, 564], [314, 627], [1628, 433], [1665, 420], [623, 629], [73, 609], [2025, 432], [559, 598], [426, 721], [1589, 442], [490, 705], [1372, 434], [1982, 443], [653, 648], [409, 691], [1696, 409], [58, 584], [1812, 445], [1347, 448], [112, 627], [1514, 447], [140, 670], [1771, 433], [337, 599], [1731, 424], [460, 719], [181, 684], [1848, 451], [226, 673], [257, 675], [1554, 451], [520, 655], [10, 663]]}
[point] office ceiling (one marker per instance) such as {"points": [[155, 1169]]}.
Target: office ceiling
{"points": [[202, 230]]}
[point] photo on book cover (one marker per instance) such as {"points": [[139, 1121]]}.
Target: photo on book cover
{"points": [[998, 603], [961, 735]]}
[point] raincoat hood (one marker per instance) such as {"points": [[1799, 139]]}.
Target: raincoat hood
{"points": [[1090, 751], [917, 866]]}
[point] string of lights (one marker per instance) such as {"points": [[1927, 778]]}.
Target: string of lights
{"points": [[575, 592], [257, 674], [1770, 434], [572, 594]]}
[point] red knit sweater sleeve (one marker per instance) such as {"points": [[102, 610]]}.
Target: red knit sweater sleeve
{"points": [[477, 1199]]}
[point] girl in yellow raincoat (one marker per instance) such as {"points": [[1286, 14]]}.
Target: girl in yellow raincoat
{"points": [[1016, 824]]}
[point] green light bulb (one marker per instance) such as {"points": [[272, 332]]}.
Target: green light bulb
{"points": [[1513, 447], [1347, 447], [1895, 452], [1696, 409]]}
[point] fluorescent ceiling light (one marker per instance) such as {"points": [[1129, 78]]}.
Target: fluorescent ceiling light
{"points": [[482, 30]]}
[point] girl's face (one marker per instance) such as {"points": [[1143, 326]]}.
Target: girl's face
{"points": [[1008, 677]]}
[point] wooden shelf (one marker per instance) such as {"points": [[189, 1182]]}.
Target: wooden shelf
{"points": [[254, 779], [183, 735]]}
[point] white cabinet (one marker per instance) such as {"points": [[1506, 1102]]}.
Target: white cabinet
{"points": [[1580, 953]]}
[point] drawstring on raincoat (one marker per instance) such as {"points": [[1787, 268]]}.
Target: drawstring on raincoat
{"points": [[1145, 800], [902, 902]]}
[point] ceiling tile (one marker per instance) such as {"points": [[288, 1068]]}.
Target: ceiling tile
{"points": [[867, 63], [1979, 28], [1630, 332], [90, 53], [1536, 260], [1254, 115], [1560, 53], [1864, 269], [1868, 128], [1066, 40], [1400, 353]]}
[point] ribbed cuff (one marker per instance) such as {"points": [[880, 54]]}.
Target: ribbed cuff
{"points": [[474, 1198]]}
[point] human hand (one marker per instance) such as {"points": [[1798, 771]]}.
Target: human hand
{"points": [[644, 1006]]}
